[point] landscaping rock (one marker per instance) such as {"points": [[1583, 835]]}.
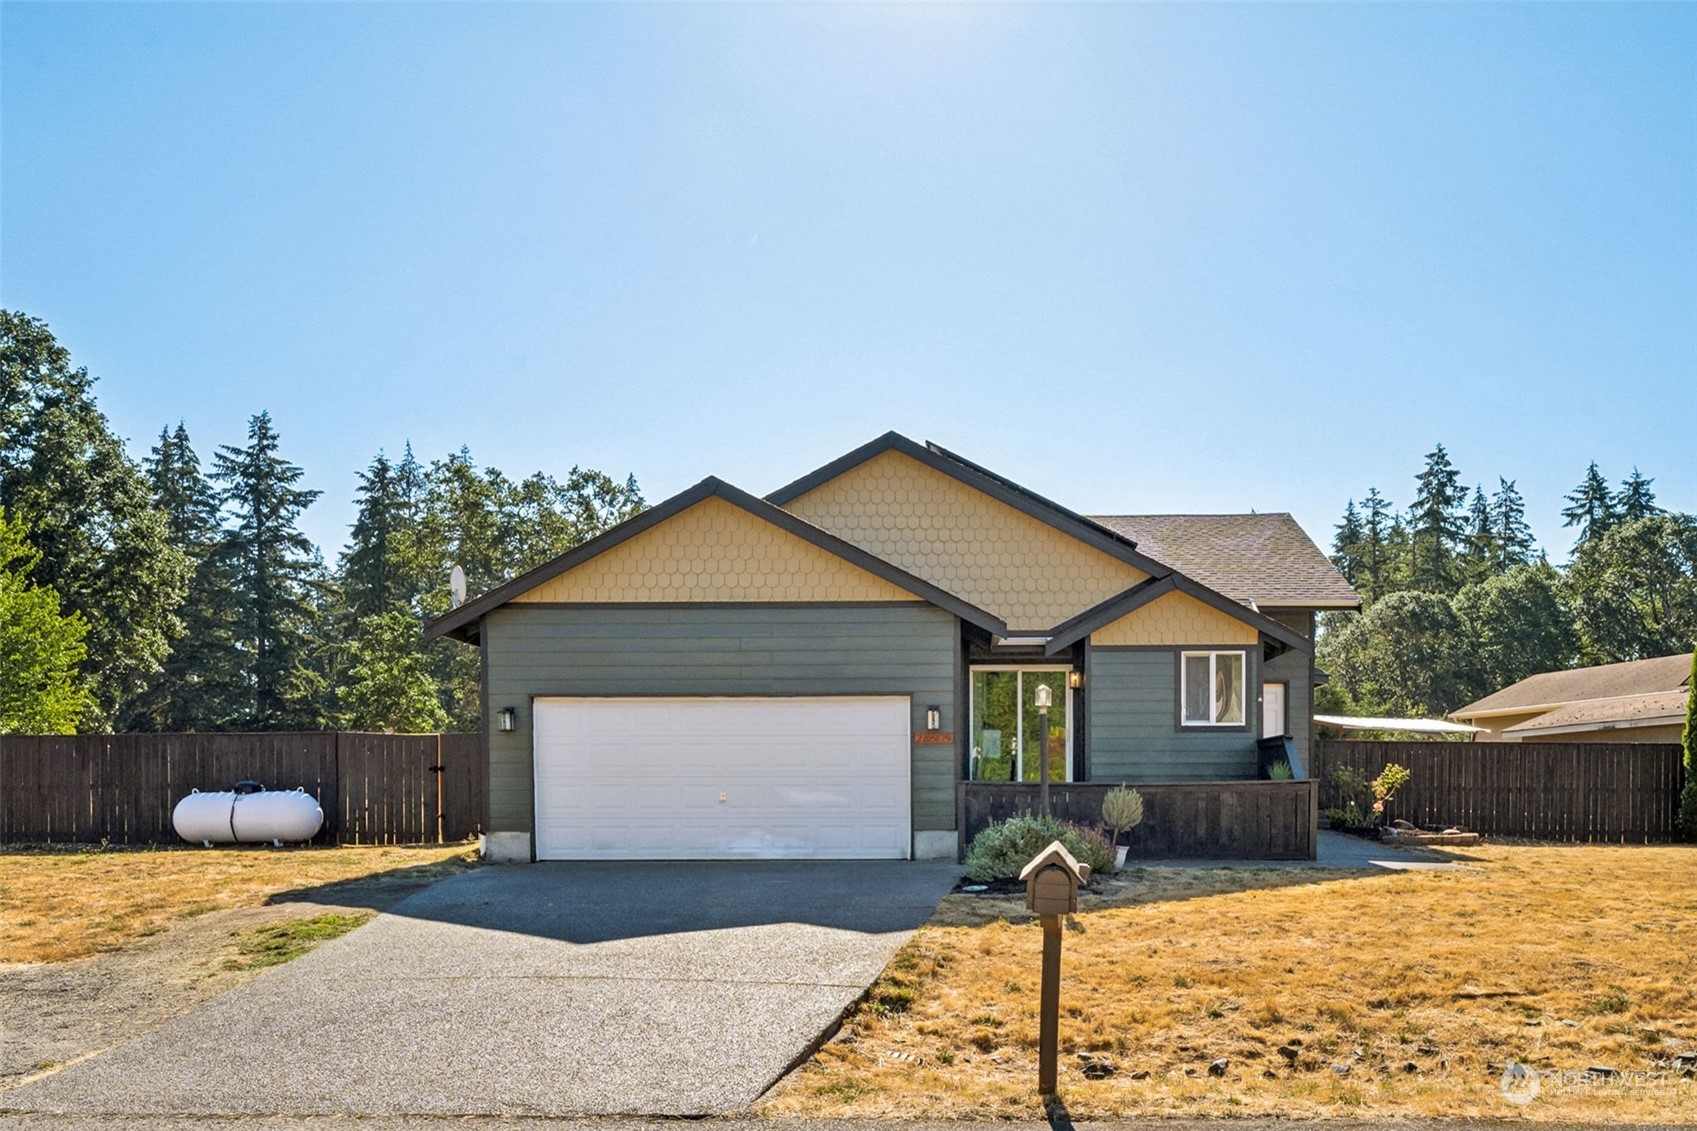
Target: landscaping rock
{"points": [[1410, 1067], [1218, 1068], [1602, 1070], [1098, 1070], [1140, 1074], [1570, 1024], [1290, 1052], [1341, 1068], [1427, 1050]]}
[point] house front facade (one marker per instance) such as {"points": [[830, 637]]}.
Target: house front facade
{"points": [[812, 673]]}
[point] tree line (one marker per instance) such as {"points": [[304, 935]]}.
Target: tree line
{"points": [[1458, 599], [161, 594]]}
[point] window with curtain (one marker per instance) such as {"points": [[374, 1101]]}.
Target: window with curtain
{"points": [[1212, 689]]}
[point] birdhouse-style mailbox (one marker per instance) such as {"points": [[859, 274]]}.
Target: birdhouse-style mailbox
{"points": [[1052, 880]]}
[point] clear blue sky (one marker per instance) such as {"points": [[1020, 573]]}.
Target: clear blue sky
{"points": [[1162, 258]]}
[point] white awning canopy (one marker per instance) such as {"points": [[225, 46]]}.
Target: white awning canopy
{"points": [[1412, 726]]}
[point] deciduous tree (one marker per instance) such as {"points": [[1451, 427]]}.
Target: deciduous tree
{"points": [[1517, 624], [41, 646], [389, 683], [1635, 589], [1408, 654]]}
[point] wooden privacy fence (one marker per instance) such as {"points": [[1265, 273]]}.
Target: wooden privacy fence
{"points": [[1219, 820], [373, 788], [1625, 793]]}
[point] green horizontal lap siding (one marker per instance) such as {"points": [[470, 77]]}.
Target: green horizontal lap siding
{"points": [[717, 650], [1133, 723], [1294, 668]]}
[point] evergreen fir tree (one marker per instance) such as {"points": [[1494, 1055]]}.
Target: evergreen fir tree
{"points": [[1479, 559], [376, 572], [1591, 507], [1636, 500], [1376, 545], [1346, 545], [1436, 525], [274, 571], [200, 686], [1514, 542], [103, 546]]}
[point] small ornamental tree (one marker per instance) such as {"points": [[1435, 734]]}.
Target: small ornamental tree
{"points": [[1688, 799], [1122, 811]]}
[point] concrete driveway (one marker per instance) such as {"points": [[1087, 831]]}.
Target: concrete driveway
{"points": [[548, 989]]}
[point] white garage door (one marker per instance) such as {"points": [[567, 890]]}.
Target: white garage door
{"points": [[715, 779]]}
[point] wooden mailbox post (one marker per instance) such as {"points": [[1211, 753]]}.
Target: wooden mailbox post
{"points": [[1051, 880]]}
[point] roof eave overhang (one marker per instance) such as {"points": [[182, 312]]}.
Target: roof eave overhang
{"points": [[462, 623], [1527, 728], [1069, 633]]}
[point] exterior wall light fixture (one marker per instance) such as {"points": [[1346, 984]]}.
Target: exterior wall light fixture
{"points": [[933, 718], [1075, 680], [506, 719]]}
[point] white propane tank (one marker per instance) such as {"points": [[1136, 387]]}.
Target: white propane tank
{"points": [[229, 817]]}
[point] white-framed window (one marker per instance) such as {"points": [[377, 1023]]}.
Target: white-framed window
{"points": [[1212, 688]]}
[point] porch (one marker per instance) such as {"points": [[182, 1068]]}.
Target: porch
{"points": [[1241, 820]]}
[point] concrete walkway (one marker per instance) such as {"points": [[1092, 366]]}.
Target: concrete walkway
{"points": [[540, 990], [1340, 850]]}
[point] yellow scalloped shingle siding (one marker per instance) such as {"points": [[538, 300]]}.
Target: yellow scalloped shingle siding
{"points": [[1177, 618], [716, 551], [962, 540]]}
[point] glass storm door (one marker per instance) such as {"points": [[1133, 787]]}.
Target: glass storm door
{"points": [[1005, 738], [1273, 710]]}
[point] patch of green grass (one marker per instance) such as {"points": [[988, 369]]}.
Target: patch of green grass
{"points": [[278, 943]]}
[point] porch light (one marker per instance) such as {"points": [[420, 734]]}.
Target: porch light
{"points": [[1045, 696], [1075, 680], [506, 719], [933, 718]]}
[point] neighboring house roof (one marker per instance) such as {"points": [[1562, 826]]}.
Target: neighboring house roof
{"points": [[1658, 708], [1549, 690], [1266, 559], [462, 622]]}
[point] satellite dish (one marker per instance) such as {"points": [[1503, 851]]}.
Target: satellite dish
{"points": [[456, 586]]}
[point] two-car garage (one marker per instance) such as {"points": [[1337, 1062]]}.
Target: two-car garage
{"points": [[712, 778]]}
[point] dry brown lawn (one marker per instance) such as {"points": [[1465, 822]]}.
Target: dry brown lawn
{"points": [[69, 902], [1328, 994]]}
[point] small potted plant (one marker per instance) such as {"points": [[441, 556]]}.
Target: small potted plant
{"points": [[1122, 811]]}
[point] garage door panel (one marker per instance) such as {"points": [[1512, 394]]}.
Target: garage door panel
{"points": [[713, 778]]}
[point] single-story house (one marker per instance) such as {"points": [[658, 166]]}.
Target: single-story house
{"points": [[1637, 701], [812, 672]]}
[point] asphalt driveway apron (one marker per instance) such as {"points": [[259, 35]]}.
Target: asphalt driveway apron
{"points": [[549, 989]]}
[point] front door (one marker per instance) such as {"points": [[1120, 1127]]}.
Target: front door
{"points": [[1006, 737]]}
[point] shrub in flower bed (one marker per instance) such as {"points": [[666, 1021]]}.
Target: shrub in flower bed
{"points": [[1004, 847]]}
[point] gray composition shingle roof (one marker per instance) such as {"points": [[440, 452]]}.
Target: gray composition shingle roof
{"points": [[1658, 707], [1605, 681], [1264, 558]]}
